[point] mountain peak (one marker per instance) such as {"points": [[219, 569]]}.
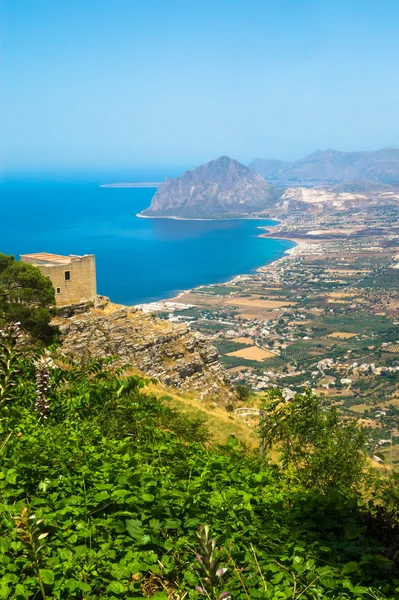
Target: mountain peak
{"points": [[219, 188]]}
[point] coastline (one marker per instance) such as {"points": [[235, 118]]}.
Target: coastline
{"points": [[290, 253], [140, 215]]}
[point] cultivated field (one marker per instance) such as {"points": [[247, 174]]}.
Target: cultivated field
{"points": [[243, 340], [256, 303], [343, 335], [252, 353]]}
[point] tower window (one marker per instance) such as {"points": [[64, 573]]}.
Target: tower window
{"points": [[58, 290], [67, 275]]}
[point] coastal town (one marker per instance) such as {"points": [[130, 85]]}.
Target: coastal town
{"points": [[324, 316]]}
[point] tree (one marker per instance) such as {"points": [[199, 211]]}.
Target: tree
{"points": [[323, 450], [243, 392], [26, 296]]}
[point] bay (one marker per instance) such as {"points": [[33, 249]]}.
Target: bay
{"points": [[138, 260]]}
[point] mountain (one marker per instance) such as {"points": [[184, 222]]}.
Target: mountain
{"points": [[222, 187], [332, 166], [267, 166]]}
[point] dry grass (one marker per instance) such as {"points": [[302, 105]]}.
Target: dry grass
{"points": [[359, 408], [238, 369], [252, 353], [243, 340], [256, 303], [341, 295], [219, 422], [343, 335]]}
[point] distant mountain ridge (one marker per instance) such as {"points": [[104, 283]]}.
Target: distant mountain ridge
{"points": [[221, 188], [332, 167]]}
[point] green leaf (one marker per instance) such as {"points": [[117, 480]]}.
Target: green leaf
{"points": [[101, 496], [172, 524], [20, 591], [11, 476], [134, 528], [350, 567], [4, 592], [232, 441], [47, 576], [85, 587], [9, 578], [116, 587]]}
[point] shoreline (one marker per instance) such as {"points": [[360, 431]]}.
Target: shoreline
{"points": [[249, 218], [289, 253]]}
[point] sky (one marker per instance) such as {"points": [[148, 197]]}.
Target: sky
{"points": [[131, 84]]}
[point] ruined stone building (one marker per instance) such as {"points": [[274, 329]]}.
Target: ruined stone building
{"points": [[73, 277]]}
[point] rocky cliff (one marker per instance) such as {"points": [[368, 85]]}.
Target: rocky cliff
{"points": [[170, 353], [222, 187]]}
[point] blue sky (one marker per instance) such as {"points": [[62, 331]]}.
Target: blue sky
{"points": [[92, 84]]}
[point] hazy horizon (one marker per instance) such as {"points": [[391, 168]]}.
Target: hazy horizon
{"points": [[124, 86]]}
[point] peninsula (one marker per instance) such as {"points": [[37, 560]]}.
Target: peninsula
{"points": [[219, 189]]}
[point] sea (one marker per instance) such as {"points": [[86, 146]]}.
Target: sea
{"points": [[138, 260]]}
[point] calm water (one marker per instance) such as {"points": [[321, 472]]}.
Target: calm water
{"points": [[138, 260]]}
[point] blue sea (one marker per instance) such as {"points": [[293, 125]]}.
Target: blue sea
{"points": [[138, 260]]}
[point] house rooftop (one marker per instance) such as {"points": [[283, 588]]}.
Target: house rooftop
{"points": [[45, 258]]}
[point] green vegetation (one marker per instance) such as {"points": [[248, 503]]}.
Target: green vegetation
{"points": [[323, 451], [243, 392], [226, 346], [235, 361], [26, 297], [103, 490]]}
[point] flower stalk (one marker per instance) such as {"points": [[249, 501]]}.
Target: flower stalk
{"points": [[27, 528], [211, 571]]}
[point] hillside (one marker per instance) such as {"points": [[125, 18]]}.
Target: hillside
{"points": [[171, 353], [109, 493], [332, 166], [222, 187]]}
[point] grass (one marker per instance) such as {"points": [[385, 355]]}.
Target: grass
{"points": [[219, 422]]}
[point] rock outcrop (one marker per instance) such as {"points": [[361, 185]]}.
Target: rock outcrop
{"points": [[221, 188], [170, 353]]}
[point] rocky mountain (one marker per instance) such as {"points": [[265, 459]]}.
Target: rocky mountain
{"points": [[331, 166], [222, 187], [168, 352]]}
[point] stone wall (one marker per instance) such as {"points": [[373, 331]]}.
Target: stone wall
{"points": [[81, 284]]}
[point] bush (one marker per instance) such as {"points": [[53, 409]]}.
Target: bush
{"points": [[243, 392], [100, 499]]}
